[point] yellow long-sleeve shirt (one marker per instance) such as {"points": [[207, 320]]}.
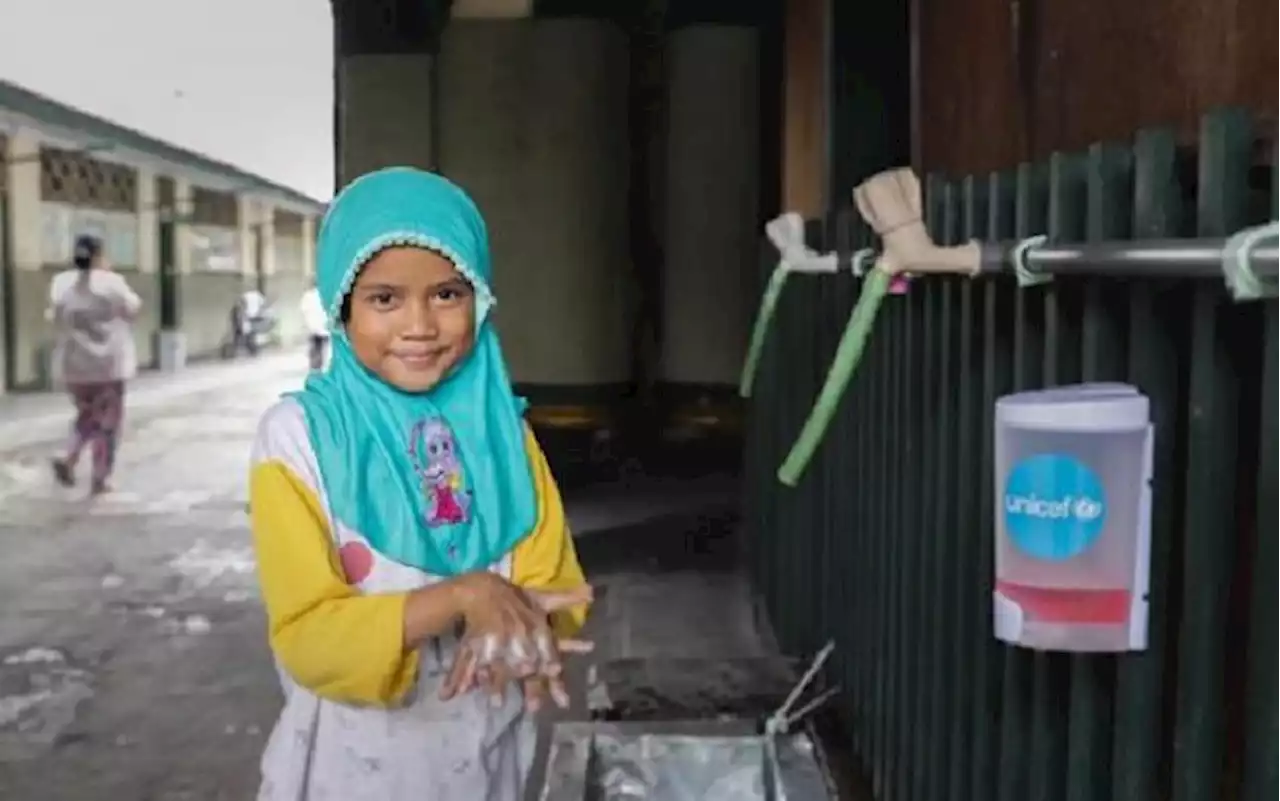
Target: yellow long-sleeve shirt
{"points": [[339, 643]]}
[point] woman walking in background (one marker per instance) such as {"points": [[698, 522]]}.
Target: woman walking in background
{"points": [[92, 309]]}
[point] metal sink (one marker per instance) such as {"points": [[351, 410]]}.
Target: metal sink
{"points": [[683, 761]]}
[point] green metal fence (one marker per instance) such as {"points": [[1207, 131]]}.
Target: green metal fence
{"points": [[886, 542]]}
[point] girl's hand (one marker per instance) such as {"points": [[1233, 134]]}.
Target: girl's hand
{"points": [[508, 638]]}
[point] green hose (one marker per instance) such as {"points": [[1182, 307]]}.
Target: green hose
{"points": [[764, 317], [848, 354]]}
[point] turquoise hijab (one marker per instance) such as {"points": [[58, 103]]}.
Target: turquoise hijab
{"points": [[438, 480]]}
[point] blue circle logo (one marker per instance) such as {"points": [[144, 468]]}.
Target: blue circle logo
{"points": [[1054, 506]]}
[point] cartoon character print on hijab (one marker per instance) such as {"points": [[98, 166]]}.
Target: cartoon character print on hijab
{"points": [[435, 458]]}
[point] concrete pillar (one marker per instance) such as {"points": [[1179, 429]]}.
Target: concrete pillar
{"points": [[248, 217], [6, 242], [146, 261], [384, 89], [23, 180], [182, 231], [712, 226], [267, 232], [27, 340], [309, 245], [148, 222], [171, 343], [385, 117], [533, 123]]}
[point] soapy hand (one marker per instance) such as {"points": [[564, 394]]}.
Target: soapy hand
{"points": [[508, 638]]}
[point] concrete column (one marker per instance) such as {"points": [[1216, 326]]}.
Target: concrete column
{"points": [[27, 348], [6, 239], [146, 281], [171, 343], [25, 224], [385, 117], [248, 218], [148, 222], [712, 226], [182, 231], [538, 109], [267, 232], [309, 245], [384, 92]]}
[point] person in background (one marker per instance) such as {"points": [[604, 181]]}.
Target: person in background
{"points": [[316, 322], [92, 309], [248, 319]]}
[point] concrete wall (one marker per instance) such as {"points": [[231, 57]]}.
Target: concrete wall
{"points": [[533, 123]]}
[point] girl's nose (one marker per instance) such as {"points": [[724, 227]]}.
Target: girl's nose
{"points": [[422, 322]]}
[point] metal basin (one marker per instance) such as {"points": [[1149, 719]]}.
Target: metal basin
{"points": [[682, 761]]}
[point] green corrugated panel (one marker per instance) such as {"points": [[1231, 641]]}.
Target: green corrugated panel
{"points": [[943, 541], [910, 536], [1226, 151], [967, 595], [997, 379], [876, 490], [1260, 722], [1030, 214], [1157, 309], [931, 335], [1105, 305], [1051, 675], [895, 332]]}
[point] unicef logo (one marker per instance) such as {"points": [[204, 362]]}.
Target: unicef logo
{"points": [[1054, 506]]}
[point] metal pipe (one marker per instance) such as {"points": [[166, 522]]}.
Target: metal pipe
{"points": [[1152, 258]]}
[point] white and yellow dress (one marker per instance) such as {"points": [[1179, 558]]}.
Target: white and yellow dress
{"points": [[362, 717]]}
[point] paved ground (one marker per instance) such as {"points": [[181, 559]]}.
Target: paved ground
{"points": [[132, 660]]}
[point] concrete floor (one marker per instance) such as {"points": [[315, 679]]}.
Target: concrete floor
{"points": [[133, 664]]}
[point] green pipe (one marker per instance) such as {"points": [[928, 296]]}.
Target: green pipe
{"points": [[768, 304], [848, 354]]}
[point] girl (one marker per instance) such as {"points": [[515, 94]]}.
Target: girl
{"points": [[91, 308], [405, 521]]}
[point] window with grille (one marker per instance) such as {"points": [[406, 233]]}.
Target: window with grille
{"points": [[79, 180]]}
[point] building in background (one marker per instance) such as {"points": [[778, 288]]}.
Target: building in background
{"points": [[190, 233]]}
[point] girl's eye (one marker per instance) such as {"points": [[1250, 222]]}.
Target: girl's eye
{"points": [[381, 299], [450, 294]]}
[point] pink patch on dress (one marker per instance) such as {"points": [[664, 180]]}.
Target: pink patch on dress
{"points": [[357, 561]]}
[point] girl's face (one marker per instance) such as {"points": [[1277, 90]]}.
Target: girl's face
{"points": [[412, 317]]}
